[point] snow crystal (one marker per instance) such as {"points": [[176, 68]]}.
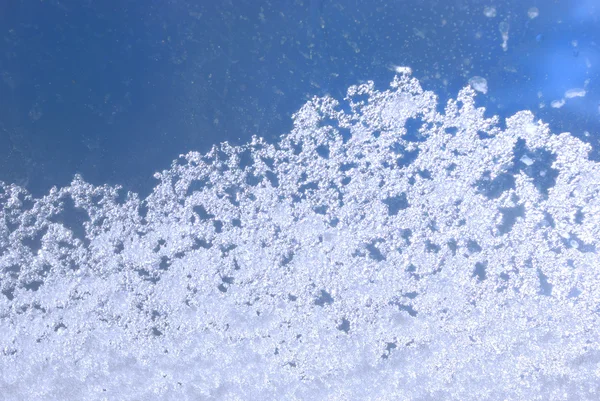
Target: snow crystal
{"points": [[479, 84], [504, 28], [527, 160], [402, 69], [533, 12], [575, 92], [380, 250], [489, 11]]}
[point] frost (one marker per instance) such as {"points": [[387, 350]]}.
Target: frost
{"points": [[380, 250]]}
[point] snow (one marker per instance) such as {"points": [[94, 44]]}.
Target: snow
{"points": [[424, 257]]}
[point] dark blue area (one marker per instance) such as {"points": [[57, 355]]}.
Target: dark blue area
{"points": [[116, 90]]}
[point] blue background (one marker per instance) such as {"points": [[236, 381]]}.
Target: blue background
{"points": [[115, 90]]}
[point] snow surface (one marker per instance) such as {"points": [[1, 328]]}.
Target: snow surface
{"points": [[380, 251]]}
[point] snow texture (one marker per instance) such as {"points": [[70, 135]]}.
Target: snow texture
{"points": [[381, 250]]}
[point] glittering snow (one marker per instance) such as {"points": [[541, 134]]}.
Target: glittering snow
{"points": [[380, 250]]}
